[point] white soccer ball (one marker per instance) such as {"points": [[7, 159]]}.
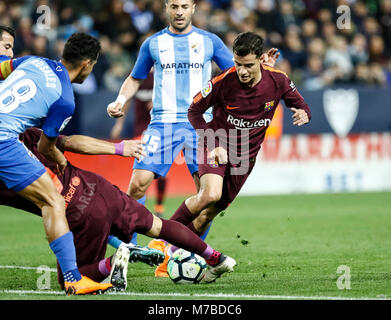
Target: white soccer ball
{"points": [[186, 267]]}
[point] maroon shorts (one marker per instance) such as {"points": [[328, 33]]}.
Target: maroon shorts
{"points": [[234, 176]]}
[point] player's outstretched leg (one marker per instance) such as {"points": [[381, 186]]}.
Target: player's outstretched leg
{"points": [[180, 236]]}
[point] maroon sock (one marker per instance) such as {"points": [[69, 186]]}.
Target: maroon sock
{"points": [[183, 215], [192, 228], [93, 272], [181, 236]]}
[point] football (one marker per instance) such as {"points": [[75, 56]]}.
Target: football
{"points": [[186, 267]]}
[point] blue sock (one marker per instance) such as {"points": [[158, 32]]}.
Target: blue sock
{"points": [[114, 241], [203, 236], [64, 249], [134, 237]]}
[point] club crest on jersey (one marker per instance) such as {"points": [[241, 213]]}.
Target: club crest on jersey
{"points": [[269, 105], [213, 163], [207, 89], [196, 47]]}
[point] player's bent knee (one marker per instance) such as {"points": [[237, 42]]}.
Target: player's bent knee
{"points": [[136, 191], [208, 198]]}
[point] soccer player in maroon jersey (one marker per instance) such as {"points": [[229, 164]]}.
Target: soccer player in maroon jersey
{"points": [[95, 209], [244, 99]]}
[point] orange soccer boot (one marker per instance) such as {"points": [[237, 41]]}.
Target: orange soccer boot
{"points": [[86, 286]]}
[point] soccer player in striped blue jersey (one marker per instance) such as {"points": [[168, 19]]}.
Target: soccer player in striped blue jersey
{"points": [[37, 92], [181, 56]]}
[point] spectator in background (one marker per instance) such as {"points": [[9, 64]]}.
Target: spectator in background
{"points": [[309, 31], [358, 49], [337, 58], [294, 50], [376, 49], [238, 12], [315, 76], [384, 18], [142, 16]]}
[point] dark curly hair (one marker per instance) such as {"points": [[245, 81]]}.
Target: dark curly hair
{"points": [[248, 42], [79, 47], [10, 30]]}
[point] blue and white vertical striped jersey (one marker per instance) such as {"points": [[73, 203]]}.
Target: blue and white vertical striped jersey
{"points": [[37, 92], [182, 66]]}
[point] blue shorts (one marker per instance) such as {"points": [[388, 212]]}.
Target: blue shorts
{"points": [[164, 141], [18, 166]]}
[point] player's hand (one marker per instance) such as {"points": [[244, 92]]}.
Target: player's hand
{"points": [[269, 58], [114, 109], [300, 117], [60, 167], [218, 155], [134, 148]]}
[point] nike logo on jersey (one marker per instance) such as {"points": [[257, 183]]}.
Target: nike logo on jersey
{"points": [[161, 51], [231, 108]]}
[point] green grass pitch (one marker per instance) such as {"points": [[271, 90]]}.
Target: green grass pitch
{"points": [[287, 247]]}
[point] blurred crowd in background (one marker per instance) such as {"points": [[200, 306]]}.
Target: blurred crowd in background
{"points": [[315, 52]]}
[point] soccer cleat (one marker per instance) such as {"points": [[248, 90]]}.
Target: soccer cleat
{"points": [[119, 268], [150, 256], [157, 244], [161, 269], [86, 286], [213, 272]]}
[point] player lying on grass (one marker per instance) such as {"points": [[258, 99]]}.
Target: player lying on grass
{"points": [[244, 99], [95, 209]]}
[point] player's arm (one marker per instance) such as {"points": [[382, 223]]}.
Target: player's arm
{"points": [[47, 147], [92, 146], [201, 102], [128, 89], [295, 102], [222, 55], [132, 83]]}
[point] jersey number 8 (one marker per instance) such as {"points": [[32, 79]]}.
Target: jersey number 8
{"points": [[20, 92]]}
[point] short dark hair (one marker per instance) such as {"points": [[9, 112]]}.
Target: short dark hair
{"points": [[10, 30], [79, 47], [248, 42]]}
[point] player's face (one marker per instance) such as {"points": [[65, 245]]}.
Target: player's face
{"points": [[7, 45], [180, 13], [248, 69], [85, 71]]}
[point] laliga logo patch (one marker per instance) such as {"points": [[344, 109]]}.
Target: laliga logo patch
{"points": [[65, 123], [207, 89], [341, 109], [269, 105]]}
